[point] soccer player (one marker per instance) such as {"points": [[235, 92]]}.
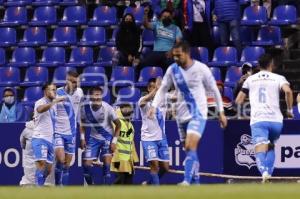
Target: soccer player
{"points": [[42, 138], [66, 127], [99, 116], [153, 135], [264, 90], [191, 80]]}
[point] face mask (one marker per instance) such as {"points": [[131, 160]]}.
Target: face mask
{"points": [[167, 21], [9, 100]]}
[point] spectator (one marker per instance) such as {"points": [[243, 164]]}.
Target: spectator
{"points": [[10, 109], [266, 3], [166, 35], [128, 41], [246, 72]]}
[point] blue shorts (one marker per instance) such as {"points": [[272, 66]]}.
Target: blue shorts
{"points": [[42, 150], [195, 126], [156, 150], [67, 142], [265, 132], [97, 148]]}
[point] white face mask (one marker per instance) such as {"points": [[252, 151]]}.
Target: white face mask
{"points": [[9, 100]]}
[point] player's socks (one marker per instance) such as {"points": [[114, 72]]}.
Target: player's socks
{"points": [[40, 177], [58, 173], [161, 173], [87, 173], [106, 174], [154, 178], [261, 161], [196, 176], [190, 161], [65, 176], [270, 159]]}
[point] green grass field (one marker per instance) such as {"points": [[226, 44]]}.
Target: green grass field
{"points": [[240, 191]]}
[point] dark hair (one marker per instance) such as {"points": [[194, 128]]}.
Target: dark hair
{"points": [[265, 60], [47, 85], [72, 73], [125, 104], [184, 45], [95, 88], [8, 89], [151, 80], [165, 10]]}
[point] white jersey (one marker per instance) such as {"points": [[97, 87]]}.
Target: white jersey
{"points": [[152, 129], [67, 111], [264, 95], [191, 85], [44, 122], [100, 121]]}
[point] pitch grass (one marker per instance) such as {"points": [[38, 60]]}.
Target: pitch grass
{"points": [[232, 191]]}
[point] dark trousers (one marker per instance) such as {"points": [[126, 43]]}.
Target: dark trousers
{"points": [[124, 178]]}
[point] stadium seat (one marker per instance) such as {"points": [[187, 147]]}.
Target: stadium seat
{"points": [[251, 54], [105, 56], [284, 15], [60, 74], [93, 36], [45, 2], [296, 113], [216, 35], [244, 2], [9, 76], [64, 36], [2, 57], [104, 16], [106, 95], [137, 12], [68, 2], [216, 73], [23, 57], [200, 54], [8, 37], [148, 73], [81, 56], [147, 37], [73, 16], [112, 40], [233, 74], [34, 36], [93, 76], [247, 35], [14, 16], [268, 36], [32, 94], [29, 110], [17, 2], [35, 76], [44, 16], [53, 56], [255, 15], [145, 51], [128, 94], [122, 76], [224, 57], [228, 92]]}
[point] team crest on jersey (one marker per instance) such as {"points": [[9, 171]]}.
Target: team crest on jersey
{"points": [[244, 152]]}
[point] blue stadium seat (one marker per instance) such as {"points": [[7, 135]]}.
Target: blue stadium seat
{"points": [[228, 92], [200, 54], [251, 54], [233, 74], [244, 2], [35, 76], [216, 35], [224, 57], [145, 51], [81, 56], [106, 95], [31, 95], [216, 73], [60, 74], [268, 36], [73, 16], [296, 113], [68, 2], [2, 57], [64, 36], [44, 16], [93, 36], [255, 15], [148, 37], [122, 76], [137, 12], [8, 37], [29, 110], [53, 56], [17, 2], [14, 16], [34, 36], [112, 40], [93, 76], [45, 2], [284, 15], [105, 56], [23, 57], [247, 35], [9, 76], [128, 94], [148, 73], [104, 16]]}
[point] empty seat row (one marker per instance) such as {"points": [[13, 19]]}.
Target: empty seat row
{"points": [[38, 2]]}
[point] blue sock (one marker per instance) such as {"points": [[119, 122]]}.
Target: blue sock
{"points": [[65, 176], [58, 173], [106, 174], [191, 161], [261, 161], [154, 179], [196, 176], [88, 174], [40, 177], [270, 159]]}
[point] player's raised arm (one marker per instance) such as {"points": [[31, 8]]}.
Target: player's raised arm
{"points": [[288, 99], [45, 107], [147, 98]]}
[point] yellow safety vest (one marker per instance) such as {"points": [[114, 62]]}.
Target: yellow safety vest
{"points": [[125, 140]]}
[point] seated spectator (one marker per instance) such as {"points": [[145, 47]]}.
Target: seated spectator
{"points": [[128, 41], [10, 109]]}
